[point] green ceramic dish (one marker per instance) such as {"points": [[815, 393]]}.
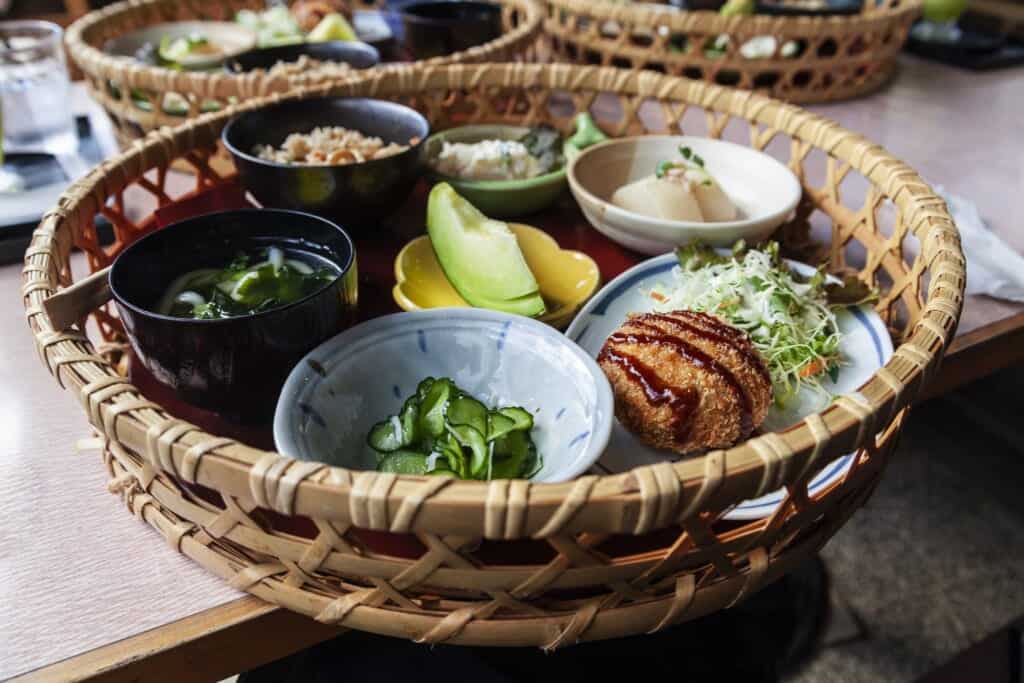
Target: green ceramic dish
{"points": [[509, 198]]}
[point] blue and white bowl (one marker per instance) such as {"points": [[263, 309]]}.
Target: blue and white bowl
{"points": [[347, 384], [865, 347]]}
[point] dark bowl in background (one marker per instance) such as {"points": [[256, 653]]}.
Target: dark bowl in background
{"points": [[828, 8], [233, 366], [355, 54], [357, 195], [433, 29]]}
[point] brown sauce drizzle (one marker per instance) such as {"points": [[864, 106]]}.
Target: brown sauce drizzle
{"points": [[716, 331], [692, 355], [682, 403]]}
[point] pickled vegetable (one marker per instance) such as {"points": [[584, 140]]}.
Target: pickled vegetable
{"points": [[441, 430]]}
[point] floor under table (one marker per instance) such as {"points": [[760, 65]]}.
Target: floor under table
{"points": [[935, 561]]}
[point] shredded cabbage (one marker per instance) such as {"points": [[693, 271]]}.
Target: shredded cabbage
{"points": [[788, 318]]}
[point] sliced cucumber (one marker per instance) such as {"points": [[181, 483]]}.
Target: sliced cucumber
{"points": [[514, 455], [409, 418], [465, 410], [449, 446], [532, 464], [442, 472], [522, 418], [470, 438], [505, 468], [386, 436], [404, 462], [424, 387], [434, 407], [441, 430], [498, 425]]}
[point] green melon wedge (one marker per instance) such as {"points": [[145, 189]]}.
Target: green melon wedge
{"points": [[480, 256]]}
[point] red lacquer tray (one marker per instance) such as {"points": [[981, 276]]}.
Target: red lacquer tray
{"points": [[376, 250]]}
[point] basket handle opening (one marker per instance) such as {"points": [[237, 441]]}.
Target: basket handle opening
{"points": [[75, 303]]}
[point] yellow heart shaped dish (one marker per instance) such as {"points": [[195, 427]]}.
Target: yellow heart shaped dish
{"points": [[567, 279]]}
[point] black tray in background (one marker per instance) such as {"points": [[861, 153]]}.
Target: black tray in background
{"points": [[44, 176], [982, 47]]}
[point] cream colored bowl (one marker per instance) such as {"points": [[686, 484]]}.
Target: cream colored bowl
{"points": [[763, 189]]}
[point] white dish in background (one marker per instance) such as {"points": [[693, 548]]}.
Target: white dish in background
{"points": [[354, 380], [370, 26], [865, 346], [142, 44], [763, 189]]}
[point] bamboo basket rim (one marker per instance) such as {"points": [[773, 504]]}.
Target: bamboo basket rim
{"points": [[834, 57], [628, 502], [96, 62], [706, 20]]}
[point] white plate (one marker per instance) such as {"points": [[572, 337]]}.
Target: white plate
{"points": [[865, 347]]}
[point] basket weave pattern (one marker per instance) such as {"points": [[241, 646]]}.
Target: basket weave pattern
{"points": [[837, 57], [135, 94], [516, 563]]}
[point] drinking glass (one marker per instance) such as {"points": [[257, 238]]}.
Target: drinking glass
{"points": [[9, 181], [35, 94]]}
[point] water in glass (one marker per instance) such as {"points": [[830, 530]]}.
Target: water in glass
{"points": [[34, 89]]}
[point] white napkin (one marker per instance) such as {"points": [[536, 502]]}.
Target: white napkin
{"points": [[993, 267]]}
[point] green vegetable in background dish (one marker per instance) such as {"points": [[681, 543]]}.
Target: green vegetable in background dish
{"points": [[244, 286], [273, 27], [587, 133], [442, 430], [691, 162], [333, 26], [736, 8], [480, 256], [544, 144], [187, 50]]}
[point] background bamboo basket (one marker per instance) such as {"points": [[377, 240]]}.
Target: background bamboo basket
{"points": [[515, 563], [141, 98], [810, 59]]}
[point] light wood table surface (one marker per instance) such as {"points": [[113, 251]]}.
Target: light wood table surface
{"points": [[87, 590]]}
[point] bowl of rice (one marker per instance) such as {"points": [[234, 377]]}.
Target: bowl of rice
{"points": [[354, 160], [301, 63]]}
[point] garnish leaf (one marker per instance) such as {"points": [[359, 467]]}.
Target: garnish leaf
{"points": [[696, 255], [544, 143], [852, 291]]}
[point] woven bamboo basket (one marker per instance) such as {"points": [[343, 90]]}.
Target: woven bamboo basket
{"points": [[136, 96], [511, 562], [832, 58]]}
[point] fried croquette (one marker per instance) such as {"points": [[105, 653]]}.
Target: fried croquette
{"points": [[686, 381]]}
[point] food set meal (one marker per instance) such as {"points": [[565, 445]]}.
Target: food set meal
{"points": [[701, 349], [320, 29], [310, 39]]}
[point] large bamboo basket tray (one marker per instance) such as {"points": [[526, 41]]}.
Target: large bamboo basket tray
{"points": [[515, 563], [841, 57], [135, 95]]}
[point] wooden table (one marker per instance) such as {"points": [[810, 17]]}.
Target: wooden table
{"points": [[90, 591]]}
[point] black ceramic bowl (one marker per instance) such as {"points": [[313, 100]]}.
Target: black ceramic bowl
{"points": [[433, 29], [357, 195], [356, 55], [823, 8], [233, 366]]}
